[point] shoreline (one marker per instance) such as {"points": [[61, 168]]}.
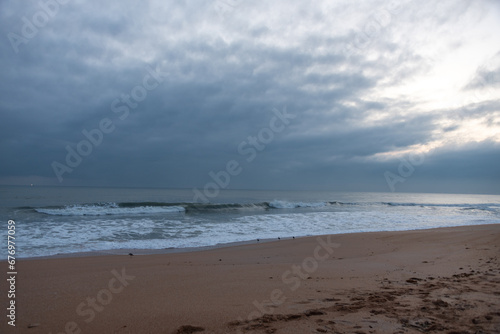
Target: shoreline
{"points": [[172, 250], [429, 280], [147, 252]]}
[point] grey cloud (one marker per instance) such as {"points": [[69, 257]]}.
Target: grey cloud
{"points": [[224, 78]]}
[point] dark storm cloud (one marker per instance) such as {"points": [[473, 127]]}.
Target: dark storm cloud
{"points": [[222, 74], [474, 165]]}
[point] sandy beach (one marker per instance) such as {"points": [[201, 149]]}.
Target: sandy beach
{"points": [[444, 280]]}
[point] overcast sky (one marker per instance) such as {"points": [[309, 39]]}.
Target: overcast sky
{"points": [[331, 95]]}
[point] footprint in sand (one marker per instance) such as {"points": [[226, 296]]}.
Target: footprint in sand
{"points": [[188, 329]]}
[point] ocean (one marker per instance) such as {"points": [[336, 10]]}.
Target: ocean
{"points": [[65, 220]]}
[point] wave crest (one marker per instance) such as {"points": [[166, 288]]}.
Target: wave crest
{"points": [[104, 209]]}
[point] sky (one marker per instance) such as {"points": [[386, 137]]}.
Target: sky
{"points": [[329, 95]]}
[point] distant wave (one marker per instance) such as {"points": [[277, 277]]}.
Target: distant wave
{"points": [[493, 207]]}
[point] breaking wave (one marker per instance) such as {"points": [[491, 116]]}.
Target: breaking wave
{"points": [[148, 208]]}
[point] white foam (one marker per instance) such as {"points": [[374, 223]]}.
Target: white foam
{"points": [[55, 234]]}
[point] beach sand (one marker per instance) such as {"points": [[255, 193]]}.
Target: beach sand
{"points": [[443, 280]]}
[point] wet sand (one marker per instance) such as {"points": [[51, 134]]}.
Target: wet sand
{"points": [[428, 281]]}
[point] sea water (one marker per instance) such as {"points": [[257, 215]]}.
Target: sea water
{"points": [[64, 220]]}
